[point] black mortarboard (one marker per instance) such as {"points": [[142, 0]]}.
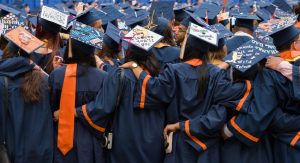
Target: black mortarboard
{"points": [[283, 5], [245, 20], [137, 18], [113, 12]]}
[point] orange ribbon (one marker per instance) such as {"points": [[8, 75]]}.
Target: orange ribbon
{"points": [[206, 17], [297, 25], [66, 111], [290, 55]]}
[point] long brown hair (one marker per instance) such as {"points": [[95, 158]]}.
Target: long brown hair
{"points": [[31, 87], [52, 41]]}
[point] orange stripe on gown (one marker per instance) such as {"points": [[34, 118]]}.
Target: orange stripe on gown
{"points": [[66, 111]]}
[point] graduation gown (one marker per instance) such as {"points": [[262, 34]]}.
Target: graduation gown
{"points": [[109, 65], [271, 92], [137, 134], [29, 129], [87, 145], [200, 118]]}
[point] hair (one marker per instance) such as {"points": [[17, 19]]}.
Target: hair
{"points": [[3, 43], [218, 54], [106, 51], [52, 41], [287, 46], [200, 52], [143, 58], [296, 9], [32, 82], [168, 36], [80, 54]]}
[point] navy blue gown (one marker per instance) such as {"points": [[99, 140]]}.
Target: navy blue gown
{"points": [[167, 54], [200, 118], [29, 131], [87, 142]]}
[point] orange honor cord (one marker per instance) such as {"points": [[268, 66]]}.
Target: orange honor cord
{"points": [[66, 110], [194, 62], [206, 17]]}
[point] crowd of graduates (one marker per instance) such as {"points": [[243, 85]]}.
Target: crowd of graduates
{"points": [[130, 82]]}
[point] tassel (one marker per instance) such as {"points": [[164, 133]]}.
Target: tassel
{"points": [[70, 55], [206, 17]]}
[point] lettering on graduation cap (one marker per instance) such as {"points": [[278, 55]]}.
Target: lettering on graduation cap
{"points": [[54, 16], [142, 37], [10, 22], [203, 34], [245, 56]]}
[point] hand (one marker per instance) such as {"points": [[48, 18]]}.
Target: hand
{"points": [[56, 115], [171, 128], [57, 62], [273, 62], [223, 66], [98, 61], [127, 64]]}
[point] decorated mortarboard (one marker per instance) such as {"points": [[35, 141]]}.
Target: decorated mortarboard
{"points": [[54, 16], [269, 27], [278, 13], [163, 9], [113, 12], [142, 38], [23, 39], [10, 22], [203, 34], [87, 34], [283, 5], [196, 19], [136, 17], [220, 30], [250, 53], [208, 12], [6, 10]]}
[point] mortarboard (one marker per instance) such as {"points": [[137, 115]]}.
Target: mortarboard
{"points": [[113, 12], [129, 11], [112, 37], [138, 17], [6, 10], [24, 40], [203, 34], [54, 16], [283, 5], [90, 15], [222, 33], [179, 12], [250, 53], [142, 38], [263, 14], [194, 19], [124, 5], [162, 24], [163, 9], [87, 35], [10, 22], [245, 20], [208, 12]]}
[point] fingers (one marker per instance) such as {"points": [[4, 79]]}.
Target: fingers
{"points": [[127, 64]]}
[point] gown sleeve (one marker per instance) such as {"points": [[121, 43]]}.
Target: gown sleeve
{"points": [[95, 115]]}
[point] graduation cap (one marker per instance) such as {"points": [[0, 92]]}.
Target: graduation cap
{"points": [[278, 13], [87, 35], [112, 37], [138, 17], [203, 34], [245, 20], [283, 5], [208, 12], [129, 11], [54, 16], [269, 27], [89, 16], [142, 38], [113, 12], [163, 9], [263, 14], [65, 9], [222, 32], [6, 10], [179, 12], [194, 19], [24, 40], [250, 53], [10, 22]]}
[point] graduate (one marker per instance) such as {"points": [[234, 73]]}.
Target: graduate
{"points": [[165, 51], [243, 30], [173, 90], [72, 85], [137, 134], [47, 31], [28, 118], [274, 96]]}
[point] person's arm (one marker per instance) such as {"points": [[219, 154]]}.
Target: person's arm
{"points": [[278, 64]]}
